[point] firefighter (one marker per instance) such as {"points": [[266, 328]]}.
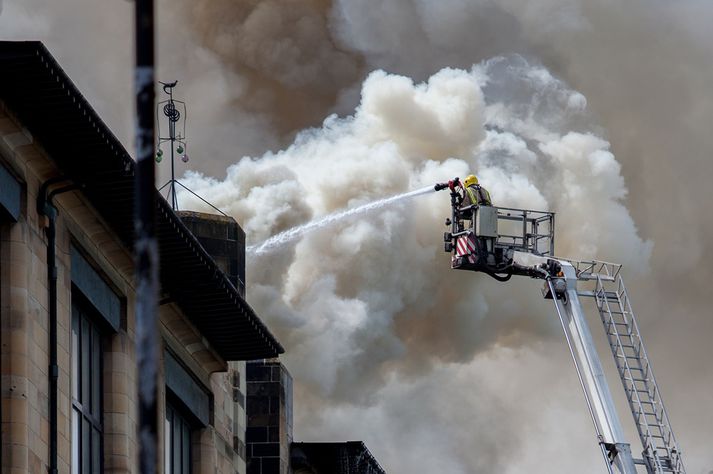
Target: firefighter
{"points": [[475, 193]]}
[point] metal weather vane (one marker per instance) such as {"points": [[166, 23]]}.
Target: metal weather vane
{"points": [[175, 136]]}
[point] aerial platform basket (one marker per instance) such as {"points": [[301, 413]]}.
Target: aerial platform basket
{"points": [[485, 238], [526, 230]]}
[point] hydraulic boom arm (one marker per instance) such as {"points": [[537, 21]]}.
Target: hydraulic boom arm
{"points": [[485, 239]]}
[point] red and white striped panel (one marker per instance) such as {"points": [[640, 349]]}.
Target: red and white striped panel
{"points": [[466, 246]]}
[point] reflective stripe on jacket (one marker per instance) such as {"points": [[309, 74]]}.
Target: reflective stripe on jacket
{"points": [[476, 194]]}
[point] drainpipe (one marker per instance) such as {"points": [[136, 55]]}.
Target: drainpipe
{"points": [[45, 207]]}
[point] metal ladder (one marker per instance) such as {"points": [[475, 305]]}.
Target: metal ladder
{"points": [[661, 453]]}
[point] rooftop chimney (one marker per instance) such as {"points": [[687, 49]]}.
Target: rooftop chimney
{"points": [[223, 239]]}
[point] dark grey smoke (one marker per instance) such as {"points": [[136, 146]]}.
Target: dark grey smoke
{"points": [[285, 50]]}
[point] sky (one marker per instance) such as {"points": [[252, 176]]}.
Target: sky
{"points": [[599, 111]]}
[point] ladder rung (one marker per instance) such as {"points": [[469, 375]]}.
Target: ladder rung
{"points": [[643, 392], [648, 430], [626, 346], [648, 396], [639, 391], [642, 372], [632, 380], [655, 429], [622, 333], [645, 380], [622, 336], [628, 357]]}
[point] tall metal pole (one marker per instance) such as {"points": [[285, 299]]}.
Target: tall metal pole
{"points": [[146, 247]]}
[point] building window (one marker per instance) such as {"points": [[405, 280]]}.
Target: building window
{"points": [[177, 442], [87, 422]]}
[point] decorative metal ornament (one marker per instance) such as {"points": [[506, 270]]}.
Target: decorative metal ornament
{"points": [[175, 115]]}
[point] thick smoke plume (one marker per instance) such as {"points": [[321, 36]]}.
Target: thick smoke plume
{"points": [[284, 49], [367, 299], [434, 370]]}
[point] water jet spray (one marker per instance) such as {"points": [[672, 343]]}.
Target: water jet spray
{"points": [[290, 235]]}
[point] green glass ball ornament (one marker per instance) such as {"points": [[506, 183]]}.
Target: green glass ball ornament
{"points": [[179, 149]]}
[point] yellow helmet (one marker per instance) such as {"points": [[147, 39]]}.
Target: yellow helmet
{"points": [[470, 180]]}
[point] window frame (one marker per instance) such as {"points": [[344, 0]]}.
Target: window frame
{"points": [[186, 429], [87, 400]]}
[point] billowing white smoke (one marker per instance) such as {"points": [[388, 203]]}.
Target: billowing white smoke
{"points": [[363, 298]]}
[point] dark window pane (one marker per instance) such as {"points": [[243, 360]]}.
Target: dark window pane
{"points": [[96, 374], [177, 443], [75, 352], [186, 449], [86, 446], [167, 444], [176, 435], [76, 424], [85, 339]]}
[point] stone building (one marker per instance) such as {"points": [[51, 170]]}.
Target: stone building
{"points": [[269, 438], [67, 297], [269, 417]]}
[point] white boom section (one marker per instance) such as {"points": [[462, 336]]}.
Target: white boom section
{"points": [[589, 368]]}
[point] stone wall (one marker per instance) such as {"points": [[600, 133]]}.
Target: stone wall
{"points": [[269, 415]]}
